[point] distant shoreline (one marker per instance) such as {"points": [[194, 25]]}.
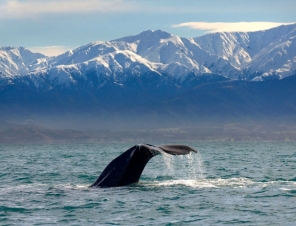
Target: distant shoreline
{"points": [[30, 134]]}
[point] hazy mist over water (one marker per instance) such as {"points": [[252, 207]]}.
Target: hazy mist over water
{"points": [[249, 183]]}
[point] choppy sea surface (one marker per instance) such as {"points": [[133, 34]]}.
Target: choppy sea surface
{"points": [[225, 183]]}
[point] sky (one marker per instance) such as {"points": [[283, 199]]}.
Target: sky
{"points": [[55, 26]]}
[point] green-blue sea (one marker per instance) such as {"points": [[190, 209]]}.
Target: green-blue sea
{"points": [[226, 183]]}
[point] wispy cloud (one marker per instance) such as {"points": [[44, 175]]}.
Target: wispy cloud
{"points": [[230, 27], [50, 50], [29, 8]]}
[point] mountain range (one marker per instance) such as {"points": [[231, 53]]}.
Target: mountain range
{"points": [[236, 55], [154, 78]]}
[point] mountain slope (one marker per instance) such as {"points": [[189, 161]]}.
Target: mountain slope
{"points": [[152, 106], [14, 61], [247, 56], [154, 79], [262, 53]]}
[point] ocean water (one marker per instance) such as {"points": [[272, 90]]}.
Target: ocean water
{"points": [[225, 183]]}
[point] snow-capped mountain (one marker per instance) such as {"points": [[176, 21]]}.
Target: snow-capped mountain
{"points": [[256, 54], [172, 59], [154, 79], [19, 61]]}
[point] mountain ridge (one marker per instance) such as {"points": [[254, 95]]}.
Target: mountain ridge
{"points": [[155, 79], [235, 55]]}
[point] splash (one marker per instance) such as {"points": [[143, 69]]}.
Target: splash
{"points": [[195, 166], [191, 164], [168, 160]]}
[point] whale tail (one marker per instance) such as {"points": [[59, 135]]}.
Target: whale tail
{"points": [[177, 149], [127, 168]]}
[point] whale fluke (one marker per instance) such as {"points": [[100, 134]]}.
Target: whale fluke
{"points": [[177, 149], [127, 168]]}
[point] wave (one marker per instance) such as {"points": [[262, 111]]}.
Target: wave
{"points": [[221, 183], [240, 182], [36, 187]]}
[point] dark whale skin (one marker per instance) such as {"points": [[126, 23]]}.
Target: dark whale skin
{"points": [[127, 168]]}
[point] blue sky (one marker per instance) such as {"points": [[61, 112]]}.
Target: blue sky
{"points": [[54, 26]]}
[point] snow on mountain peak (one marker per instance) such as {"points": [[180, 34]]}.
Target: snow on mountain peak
{"points": [[236, 55], [14, 61]]}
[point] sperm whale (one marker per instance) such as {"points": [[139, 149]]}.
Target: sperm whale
{"points": [[127, 168]]}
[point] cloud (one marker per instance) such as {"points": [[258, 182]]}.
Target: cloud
{"points": [[50, 50], [229, 27], [29, 8]]}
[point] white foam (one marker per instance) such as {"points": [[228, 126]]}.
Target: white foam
{"points": [[235, 183], [73, 186], [208, 183]]}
